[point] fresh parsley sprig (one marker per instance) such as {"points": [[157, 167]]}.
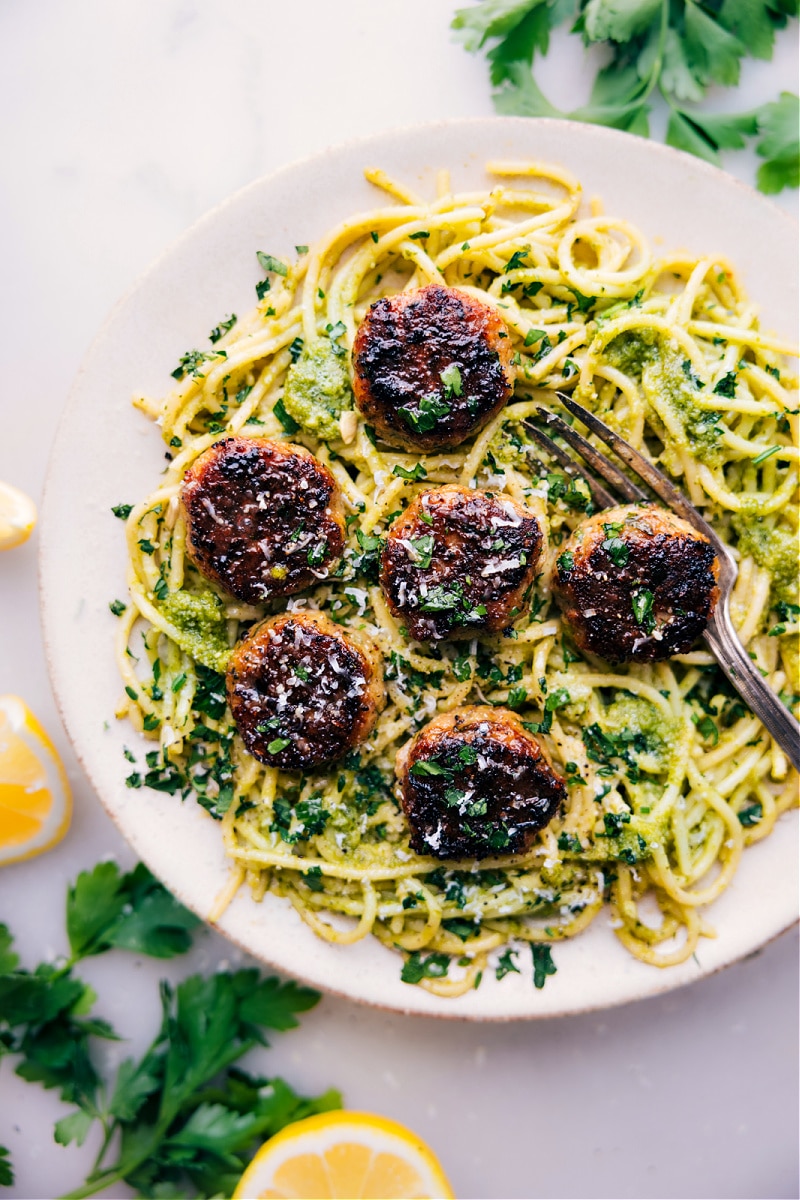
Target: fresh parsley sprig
{"points": [[678, 48], [183, 1116]]}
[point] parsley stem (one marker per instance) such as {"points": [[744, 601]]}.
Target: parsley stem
{"points": [[93, 1185]]}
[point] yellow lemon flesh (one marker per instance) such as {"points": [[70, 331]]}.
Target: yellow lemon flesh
{"points": [[17, 517], [35, 800], [346, 1155]]}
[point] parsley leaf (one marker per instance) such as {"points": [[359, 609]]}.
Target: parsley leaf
{"points": [[269, 263], [133, 912], [416, 968], [679, 50], [6, 1169], [416, 473], [426, 414], [506, 964], [183, 1116], [780, 144], [543, 964], [220, 330]]}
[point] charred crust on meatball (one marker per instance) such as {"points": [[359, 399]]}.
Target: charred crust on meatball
{"points": [[431, 367], [636, 584], [302, 692], [263, 518], [474, 784], [460, 562]]}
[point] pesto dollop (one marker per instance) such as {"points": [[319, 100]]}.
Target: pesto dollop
{"points": [[317, 390], [773, 549], [202, 626], [670, 388]]}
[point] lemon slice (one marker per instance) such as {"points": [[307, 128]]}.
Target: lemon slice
{"points": [[35, 799], [17, 517], [344, 1154]]}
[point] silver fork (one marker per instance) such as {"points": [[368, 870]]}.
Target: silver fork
{"points": [[719, 634]]}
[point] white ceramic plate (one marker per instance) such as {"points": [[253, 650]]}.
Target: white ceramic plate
{"points": [[107, 453]]}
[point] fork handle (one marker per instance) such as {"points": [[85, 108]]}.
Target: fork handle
{"points": [[749, 683]]}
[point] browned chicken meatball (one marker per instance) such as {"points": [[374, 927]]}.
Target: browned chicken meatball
{"points": [[263, 518], [475, 783], [303, 693], [459, 563], [431, 367], [636, 584]]}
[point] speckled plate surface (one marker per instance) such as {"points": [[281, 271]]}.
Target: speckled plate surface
{"points": [[106, 453]]}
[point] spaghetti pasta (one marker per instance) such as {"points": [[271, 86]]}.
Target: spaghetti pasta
{"points": [[669, 775]]}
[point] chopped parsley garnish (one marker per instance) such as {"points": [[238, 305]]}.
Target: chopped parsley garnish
{"points": [[118, 607], [764, 455], [335, 332], [506, 964], [220, 330], [269, 263], [296, 348], [543, 964], [726, 386], [416, 968], [123, 511], [316, 554], [569, 842], [427, 413], [707, 728], [451, 378], [533, 336], [423, 549], [616, 549], [443, 599], [516, 261], [604, 747], [751, 814], [613, 822], [424, 768], [191, 362], [416, 473], [462, 668], [313, 877], [301, 250], [421, 234], [642, 605], [461, 927], [146, 546], [289, 424], [566, 561], [277, 744]]}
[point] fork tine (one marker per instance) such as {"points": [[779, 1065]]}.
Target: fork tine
{"points": [[599, 462], [600, 496], [645, 470]]}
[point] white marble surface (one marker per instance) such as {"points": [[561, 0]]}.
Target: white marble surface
{"points": [[121, 123]]}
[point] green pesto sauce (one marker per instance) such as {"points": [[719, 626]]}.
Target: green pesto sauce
{"points": [[666, 384], [202, 626], [317, 390], [636, 715], [773, 549]]}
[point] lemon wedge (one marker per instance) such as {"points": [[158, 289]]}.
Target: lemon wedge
{"points": [[17, 517], [344, 1154], [35, 799]]}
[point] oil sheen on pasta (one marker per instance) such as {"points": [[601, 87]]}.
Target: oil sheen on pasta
{"points": [[670, 776]]}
